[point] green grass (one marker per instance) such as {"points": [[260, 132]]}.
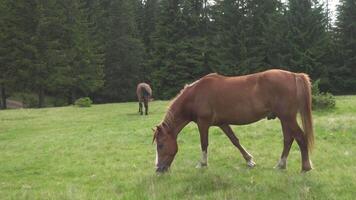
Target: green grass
{"points": [[105, 152]]}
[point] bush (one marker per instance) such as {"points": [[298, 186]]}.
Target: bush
{"points": [[57, 101], [29, 100], [83, 102], [321, 100]]}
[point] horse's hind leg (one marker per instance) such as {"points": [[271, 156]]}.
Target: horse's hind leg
{"points": [[298, 135], [230, 134], [140, 107], [146, 105], [287, 140]]}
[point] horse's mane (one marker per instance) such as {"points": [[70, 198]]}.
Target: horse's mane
{"points": [[168, 119]]}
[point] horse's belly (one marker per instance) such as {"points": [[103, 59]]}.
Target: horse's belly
{"points": [[240, 117], [238, 120]]}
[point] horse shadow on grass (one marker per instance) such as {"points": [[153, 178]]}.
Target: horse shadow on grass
{"points": [[136, 114]]}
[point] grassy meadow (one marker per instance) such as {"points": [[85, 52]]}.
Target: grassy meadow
{"points": [[105, 152]]}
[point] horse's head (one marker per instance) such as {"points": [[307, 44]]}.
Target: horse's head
{"points": [[166, 148]]}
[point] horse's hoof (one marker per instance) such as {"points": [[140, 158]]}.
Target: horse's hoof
{"points": [[306, 169], [280, 166], [201, 165], [251, 163]]}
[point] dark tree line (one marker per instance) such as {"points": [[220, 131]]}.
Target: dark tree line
{"points": [[66, 49]]}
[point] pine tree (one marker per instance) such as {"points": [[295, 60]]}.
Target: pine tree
{"points": [[148, 20], [123, 51], [56, 52], [306, 37], [263, 35], [179, 46], [45, 48], [231, 37], [344, 72], [5, 56], [17, 45], [165, 41], [82, 72]]}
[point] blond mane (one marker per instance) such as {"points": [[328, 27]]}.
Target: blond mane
{"points": [[169, 118]]}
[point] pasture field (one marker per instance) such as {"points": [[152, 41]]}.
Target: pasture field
{"points": [[105, 152]]}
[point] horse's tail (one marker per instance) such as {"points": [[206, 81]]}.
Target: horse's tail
{"points": [[146, 92], [305, 107], [143, 91]]}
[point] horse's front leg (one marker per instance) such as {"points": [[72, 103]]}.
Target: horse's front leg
{"points": [[204, 142], [146, 106], [230, 134], [140, 107]]}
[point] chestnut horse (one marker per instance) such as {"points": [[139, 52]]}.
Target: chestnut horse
{"points": [[144, 93], [216, 100]]}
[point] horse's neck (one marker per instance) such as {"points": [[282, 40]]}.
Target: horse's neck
{"points": [[175, 122]]}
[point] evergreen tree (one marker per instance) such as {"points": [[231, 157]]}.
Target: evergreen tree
{"points": [[123, 51], [179, 46], [231, 37], [19, 21], [264, 35], [72, 48], [81, 73], [45, 47], [344, 71], [148, 19], [6, 57], [306, 37]]}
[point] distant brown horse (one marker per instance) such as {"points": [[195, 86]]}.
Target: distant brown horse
{"points": [[144, 94], [221, 101]]}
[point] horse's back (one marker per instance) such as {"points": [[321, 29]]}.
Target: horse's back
{"points": [[243, 99], [143, 90]]}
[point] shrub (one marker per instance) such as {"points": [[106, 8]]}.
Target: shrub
{"points": [[321, 100], [29, 100], [57, 101], [83, 102]]}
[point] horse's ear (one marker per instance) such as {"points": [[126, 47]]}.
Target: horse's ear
{"points": [[154, 136], [161, 129], [155, 131]]}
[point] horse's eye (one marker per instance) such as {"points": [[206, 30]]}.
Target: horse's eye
{"points": [[160, 146]]}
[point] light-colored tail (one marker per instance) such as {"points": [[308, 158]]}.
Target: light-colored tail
{"points": [[305, 107]]}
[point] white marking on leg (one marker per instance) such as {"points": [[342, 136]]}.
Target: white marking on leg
{"points": [[251, 163], [204, 158], [156, 157], [282, 164]]}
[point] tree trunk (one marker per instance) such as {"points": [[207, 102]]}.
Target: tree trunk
{"points": [[72, 97], [3, 96], [40, 98]]}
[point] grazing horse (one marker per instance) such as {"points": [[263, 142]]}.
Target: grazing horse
{"points": [[144, 93], [216, 100]]}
